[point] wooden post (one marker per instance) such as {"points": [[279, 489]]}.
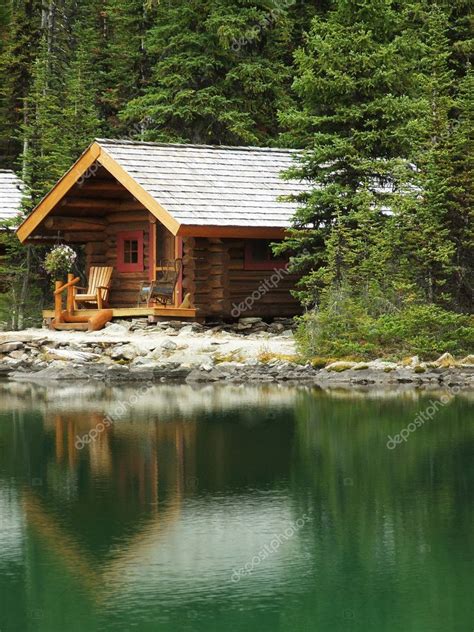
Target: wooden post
{"points": [[178, 295], [152, 250], [70, 295], [58, 303]]}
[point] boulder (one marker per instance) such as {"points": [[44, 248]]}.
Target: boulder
{"points": [[54, 373], [412, 361], [141, 373], [340, 366], [445, 361], [176, 325], [71, 355], [125, 352], [250, 320], [116, 329], [189, 329], [19, 354], [169, 345], [382, 365], [206, 366], [241, 327], [8, 347], [276, 328]]}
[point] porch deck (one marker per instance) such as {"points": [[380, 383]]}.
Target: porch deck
{"points": [[184, 313]]}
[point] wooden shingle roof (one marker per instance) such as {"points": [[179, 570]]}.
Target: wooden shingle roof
{"points": [[193, 190], [11, 193], [211, 185]]}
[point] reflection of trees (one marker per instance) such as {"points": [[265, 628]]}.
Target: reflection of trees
{"points": [[375, 513], [378, 512]]}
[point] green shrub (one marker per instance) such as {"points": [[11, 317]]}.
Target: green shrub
{"points": [[426, 330], [349, 330], [341, 329]]}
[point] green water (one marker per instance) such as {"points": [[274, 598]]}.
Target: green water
{"points": [[248, 509]]}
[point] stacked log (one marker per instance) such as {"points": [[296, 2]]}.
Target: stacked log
{"points": [[267, 292]]}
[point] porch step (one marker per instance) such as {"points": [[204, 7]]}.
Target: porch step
{"points": [[73, 326], [83, 323]]}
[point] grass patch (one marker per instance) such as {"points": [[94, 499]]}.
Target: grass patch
{"points": [[230, 356], [265, 357]]}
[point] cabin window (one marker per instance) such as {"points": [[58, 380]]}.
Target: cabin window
{"points": [[259, 255], [130, 251]]}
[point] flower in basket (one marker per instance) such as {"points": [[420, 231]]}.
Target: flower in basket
{"points": [[59, 261]]}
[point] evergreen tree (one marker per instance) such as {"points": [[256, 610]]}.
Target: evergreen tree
{"points": [[461, 183], [19, 47], [82, 84], [221, 69], [44, 160], [432, 233], [355, 120], [127, 66]]}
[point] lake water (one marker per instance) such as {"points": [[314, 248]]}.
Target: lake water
{"points": [[234, 509]]}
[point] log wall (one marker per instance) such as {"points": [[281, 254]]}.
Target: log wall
{"points": [[101, 250], [214, 274]]}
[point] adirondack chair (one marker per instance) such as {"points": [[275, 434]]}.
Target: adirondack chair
{"points": [[162, 289], [97, 292]]}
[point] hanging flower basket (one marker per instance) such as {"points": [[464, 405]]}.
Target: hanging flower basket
{"points": [[59, 261]]}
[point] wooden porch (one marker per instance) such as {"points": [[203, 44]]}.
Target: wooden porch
{"points": [[136, 312]]}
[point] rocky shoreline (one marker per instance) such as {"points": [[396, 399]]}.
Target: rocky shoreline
{"points": [[250, 351]]}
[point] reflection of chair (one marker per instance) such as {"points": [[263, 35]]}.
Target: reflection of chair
{"points": [[97, 292], [162, 289]]}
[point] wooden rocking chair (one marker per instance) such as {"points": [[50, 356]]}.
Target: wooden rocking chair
{"points": [[162, 289], [97, 293]]}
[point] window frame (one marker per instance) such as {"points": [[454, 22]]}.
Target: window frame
{"points": [[271, 264], [130, 235]]}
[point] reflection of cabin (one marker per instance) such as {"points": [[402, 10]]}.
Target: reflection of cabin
{"points": [[147, 484], [134, 204]]}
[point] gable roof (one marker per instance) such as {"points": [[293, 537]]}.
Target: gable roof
{"points": [[11, 194], [208, 185], [188, 186]]}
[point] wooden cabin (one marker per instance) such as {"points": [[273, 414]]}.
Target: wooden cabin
{"points": [[11, 195], [217, 209]]}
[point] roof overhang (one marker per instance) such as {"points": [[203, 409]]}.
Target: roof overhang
{"points": [[255, 232], [96, 154]]}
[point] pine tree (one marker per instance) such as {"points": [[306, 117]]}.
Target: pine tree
{"points": [[82, 82], [221, 70], [20, 38], [126, 66], [355, 120], [44, 160], [461, 183], [433, 231]]}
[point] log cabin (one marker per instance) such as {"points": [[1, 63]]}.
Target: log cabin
{"points": [[216, 209], [11, 195]]}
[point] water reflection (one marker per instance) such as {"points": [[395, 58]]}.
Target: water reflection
{"points": [[146, 525]]}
